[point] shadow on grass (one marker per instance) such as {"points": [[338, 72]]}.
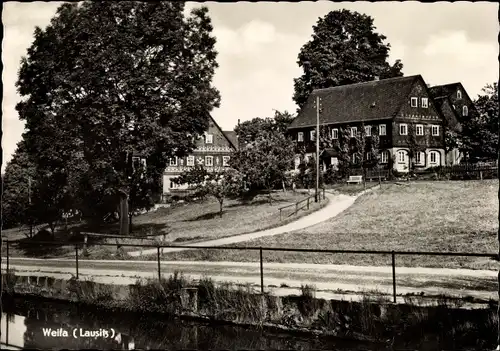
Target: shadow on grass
{"points": [[206, 216], [63, 242]]}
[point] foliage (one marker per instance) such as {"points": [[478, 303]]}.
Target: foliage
{"points": [[344, 49], [413, 148], [249, 131], [115, 79], [480, 132], [264, 161], [194, 176], [307, 173], [221, 184], [15, 184]]}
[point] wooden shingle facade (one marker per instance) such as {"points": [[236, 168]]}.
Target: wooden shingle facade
{"points": [[391, 107], [213, 152]]}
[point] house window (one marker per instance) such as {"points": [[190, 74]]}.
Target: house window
{"points": [[420, 129], [209, 139], [368, 130], [403, 129], [190, 161], [225, 161], [335, 133], [382, 130], [354, 132], [173, 161], [459, 94], [313, 134], [465, 111], [354, 158], [425, 102], [300, 136], [209, 161], [435, 130], [414, 102], [368, 156], [401, 156], [384, 157], [434, 157]]}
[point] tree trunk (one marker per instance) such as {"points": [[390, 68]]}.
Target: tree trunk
{"points": [[124, 220], [220, 207], [52, 228], [364, 178], [498, 236], [284, 188], [130, 222]]}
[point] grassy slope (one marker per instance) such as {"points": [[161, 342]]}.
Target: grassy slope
{"points": [[420, 216], [186, 223]]}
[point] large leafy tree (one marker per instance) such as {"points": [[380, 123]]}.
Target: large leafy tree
{"points": [[480, 132], [344, 49], [19, 173], [118, 79], [224, 184], [249, 131], [265, 161]]}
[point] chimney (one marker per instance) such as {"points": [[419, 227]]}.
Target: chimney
{"points": [[376, 78], [238, 121]]}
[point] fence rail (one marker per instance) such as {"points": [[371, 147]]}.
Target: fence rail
{"points": [[306, 201], [261, 250]]}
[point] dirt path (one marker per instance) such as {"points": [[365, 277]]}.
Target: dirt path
{"points": [[279, 278], [336, 205]]}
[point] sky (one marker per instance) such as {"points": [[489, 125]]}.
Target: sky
{"points": [[258, 45]]}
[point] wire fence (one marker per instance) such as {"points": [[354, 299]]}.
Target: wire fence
{"points": [[261, 250]]}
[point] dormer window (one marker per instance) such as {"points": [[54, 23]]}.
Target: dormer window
{"points": [[465, 111], [209, 139], [459, 94], [425, 102], [414, 102]]}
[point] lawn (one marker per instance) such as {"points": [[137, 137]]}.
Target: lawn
{"points": [[190, 222], [457, 216]]}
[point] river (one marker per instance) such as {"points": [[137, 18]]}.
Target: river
{"points": [[25, 324]]}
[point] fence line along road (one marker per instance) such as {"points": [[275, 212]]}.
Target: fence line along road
{"points": [[262, 249]]}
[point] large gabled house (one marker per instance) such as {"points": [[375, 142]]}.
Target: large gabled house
{"points": [[213, 152], [386, 106], [457, 107]]}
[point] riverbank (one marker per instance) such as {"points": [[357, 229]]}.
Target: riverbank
{"points": [[376, 321]]}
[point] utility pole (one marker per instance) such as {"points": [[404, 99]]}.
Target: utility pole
{"points": [[29, 203], [318, 101]]}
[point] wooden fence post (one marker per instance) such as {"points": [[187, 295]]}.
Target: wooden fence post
{"points": [[307, 203], [296, 208]]}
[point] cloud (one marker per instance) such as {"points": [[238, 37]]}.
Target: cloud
{"points": [[247, 39], [456, 46]]}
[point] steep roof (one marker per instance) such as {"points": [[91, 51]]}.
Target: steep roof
{"points": [[445, 90], [235, 145], [452, 121], [366, 101], [232, 137]]}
